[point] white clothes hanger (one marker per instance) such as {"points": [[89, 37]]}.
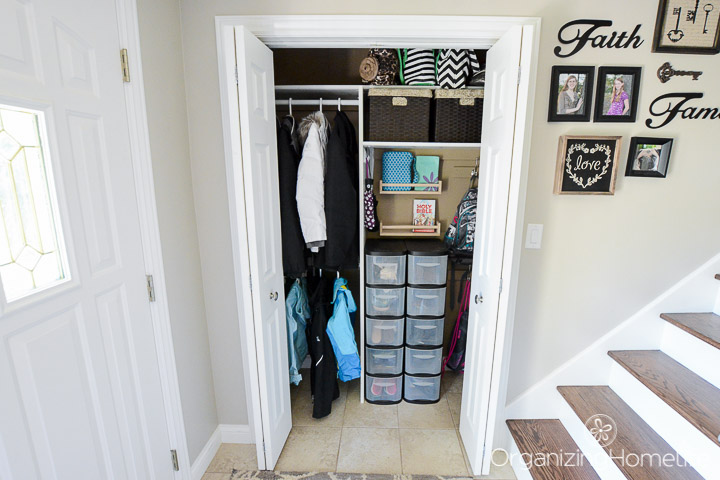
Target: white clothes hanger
{"points": [[290, 105], [320, 104], [339, 110]]}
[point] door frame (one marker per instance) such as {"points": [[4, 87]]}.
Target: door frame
{"points": [[139, 136], [352, 31]]}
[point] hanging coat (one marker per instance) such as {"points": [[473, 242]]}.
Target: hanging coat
{"points": [[293, 244], [310, 194], [341, 333], [323, 371], [341, 197], [297, 314]]}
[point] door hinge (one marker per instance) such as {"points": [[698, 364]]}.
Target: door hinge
{"points": [[264, 451], [125, 65], [501, 284], [519, 74], [150, 284], [176, 465], [250, 280], [237, 78]]}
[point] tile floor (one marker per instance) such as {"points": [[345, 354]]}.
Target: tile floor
{"points": [[365, 438]]}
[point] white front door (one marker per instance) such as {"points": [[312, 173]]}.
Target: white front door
{"points": [[80, 393], [256, 94], [478, 399]]}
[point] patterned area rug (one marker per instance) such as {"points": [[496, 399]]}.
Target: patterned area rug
{"points": [[268, 475]]}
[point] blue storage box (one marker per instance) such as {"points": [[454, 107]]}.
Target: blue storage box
{"points": [[397, 167]]}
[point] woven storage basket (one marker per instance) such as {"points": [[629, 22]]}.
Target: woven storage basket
{"points": [[458, 115], [400, 114]]}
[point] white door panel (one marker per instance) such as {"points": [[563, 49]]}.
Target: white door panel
{"points": [[256, 93], [81, 396], [476, 428]]}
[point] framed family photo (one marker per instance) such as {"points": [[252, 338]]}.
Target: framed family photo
{"points": [[571, 91], [648, 157], [616, 97]]}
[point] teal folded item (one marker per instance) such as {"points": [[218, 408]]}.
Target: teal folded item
{"points": [[427, 170]]}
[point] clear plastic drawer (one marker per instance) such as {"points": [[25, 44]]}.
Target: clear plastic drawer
{"points": [[384, 332], [385, 302], [384, 361], [385, 270], [425, 331], [426, 302], [383, 389], [427, 270], [422, 389], [423, 361]]}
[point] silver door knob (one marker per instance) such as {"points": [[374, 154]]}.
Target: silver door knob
{"points": [[478, 299], [273, 296]]}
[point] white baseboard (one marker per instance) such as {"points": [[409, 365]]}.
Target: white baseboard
{"points": [[235, 434], [201, 463]]}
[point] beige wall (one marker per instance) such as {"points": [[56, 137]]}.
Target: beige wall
{"points": [[167, 118], [602, 257]]}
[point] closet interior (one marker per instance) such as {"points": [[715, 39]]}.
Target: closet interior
{"points": [[405, 284]]}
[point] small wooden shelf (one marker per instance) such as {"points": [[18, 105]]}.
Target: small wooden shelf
{"points": [[407, 145], [438, 185], [407, 230]]}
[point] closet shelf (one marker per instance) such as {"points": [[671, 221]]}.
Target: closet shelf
{"points": [[438, 185], [407, 230], [407, 145]]}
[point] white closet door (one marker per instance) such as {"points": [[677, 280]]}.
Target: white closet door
{"points": [[479, 400], [256, 92]]}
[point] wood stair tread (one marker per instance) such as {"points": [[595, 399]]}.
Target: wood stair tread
{"points": [[542, 439], [633, 435], [690, 395], [705, 326]]}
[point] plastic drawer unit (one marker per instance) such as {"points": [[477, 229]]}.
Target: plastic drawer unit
{"points": [[383, 390], [427, 262], [422, 389], [385, 302], [385, 262], [425, 301], [424, 331], [384, 332], [423, 361], [384, 361]]}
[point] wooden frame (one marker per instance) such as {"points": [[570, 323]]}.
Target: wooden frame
{"points": [[684, 48], [383, 186], [605, 169], [603, 72], [587, 97], [408, 230], [662, 159]]}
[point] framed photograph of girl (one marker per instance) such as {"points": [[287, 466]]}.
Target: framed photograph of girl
{"points": [[617, 94], [571, 91]]}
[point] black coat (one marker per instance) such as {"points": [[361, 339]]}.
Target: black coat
{"points": [[323, 371], [293, 244], [341, 197]]}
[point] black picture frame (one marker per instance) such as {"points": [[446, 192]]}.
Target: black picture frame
{"points": [[683, 45], [644, 162], [588, 86], [601, 102]]}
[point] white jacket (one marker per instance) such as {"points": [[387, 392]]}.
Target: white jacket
{"points": [[310, 194]]}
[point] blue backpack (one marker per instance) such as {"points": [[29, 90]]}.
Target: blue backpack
{"points": [[460, 235]]}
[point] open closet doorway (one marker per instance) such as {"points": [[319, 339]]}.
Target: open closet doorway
{"points": [[249, 121]]}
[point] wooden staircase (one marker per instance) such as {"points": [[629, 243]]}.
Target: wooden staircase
{"points": [[635, 448]]}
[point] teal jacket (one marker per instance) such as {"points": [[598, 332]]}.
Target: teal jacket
{"points": [[341, 333]]}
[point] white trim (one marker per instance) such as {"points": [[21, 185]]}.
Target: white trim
{"points": [[150, 231], [354, 31], [206, 455], [236, 434]]}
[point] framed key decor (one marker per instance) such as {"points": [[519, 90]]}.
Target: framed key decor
{"points": [[687, 26], [586, 165]]}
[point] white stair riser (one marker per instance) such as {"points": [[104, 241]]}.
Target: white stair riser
{"points": [[697, 449], [697, 355], [521, 472]]}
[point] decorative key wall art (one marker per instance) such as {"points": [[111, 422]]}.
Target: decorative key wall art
{"points": [[667, 72], [616, 98], [571, 93], [587, 165], [687, 26]]}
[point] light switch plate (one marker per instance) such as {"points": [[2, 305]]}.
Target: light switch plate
{"points": [[533, 238]]}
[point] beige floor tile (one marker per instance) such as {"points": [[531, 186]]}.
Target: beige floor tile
{"points": [[435, 415], [233, 456], [451, 382], [432, 452], [500, 469], [366, 414], [454, 400], [302, 409], [370, 450], [310, 449], [217, 476]]}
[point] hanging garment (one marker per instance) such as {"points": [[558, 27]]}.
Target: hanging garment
{"points": [[341, 197], [310, 194], [341, 333], [297, 314], [323, 371], [293, 244]]}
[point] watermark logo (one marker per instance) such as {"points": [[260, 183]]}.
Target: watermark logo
{"points": [[603, 428]]}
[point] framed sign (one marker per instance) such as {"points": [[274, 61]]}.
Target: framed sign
{"points": [[571, 93], [616, 98], [648, 157], [687, 26], [587, 165]]}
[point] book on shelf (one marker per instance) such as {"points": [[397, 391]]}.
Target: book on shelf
{"points": [[423, 215]]}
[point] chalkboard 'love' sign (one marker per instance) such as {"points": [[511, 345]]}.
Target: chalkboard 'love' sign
{"points": [[587, 165]]}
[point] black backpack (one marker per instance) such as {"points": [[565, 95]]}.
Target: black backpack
{"points": [[460, 235]]}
